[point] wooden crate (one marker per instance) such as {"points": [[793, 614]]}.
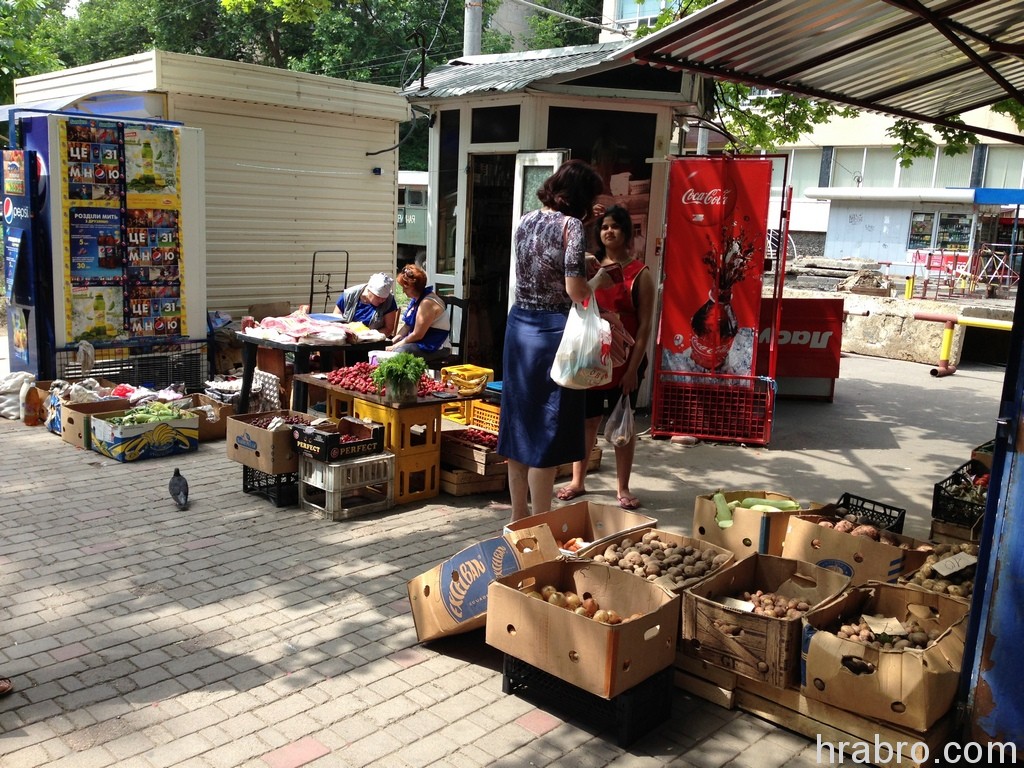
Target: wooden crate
{"points": [[456, 481], [464, 454], [815, 720]]}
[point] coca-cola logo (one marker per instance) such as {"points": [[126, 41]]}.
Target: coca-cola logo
{"points": [[708, 197]]}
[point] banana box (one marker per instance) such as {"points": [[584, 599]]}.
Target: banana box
{"points": [[133, 442], [467, 379]]}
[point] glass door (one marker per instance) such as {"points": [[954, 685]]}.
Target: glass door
{"points": [[532, 168], [488, 235]]}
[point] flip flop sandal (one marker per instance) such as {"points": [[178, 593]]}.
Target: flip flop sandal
{"points": [[568, 493], [6, 686], [627, 502]]}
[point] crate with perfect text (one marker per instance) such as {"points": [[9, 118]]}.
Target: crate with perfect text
{"points": [[348, 438], [415, 429]]}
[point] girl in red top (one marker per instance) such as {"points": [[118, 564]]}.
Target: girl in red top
{"points": [[633, 300]]}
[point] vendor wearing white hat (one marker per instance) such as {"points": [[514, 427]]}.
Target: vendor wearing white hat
{"points": [[371, 304]]}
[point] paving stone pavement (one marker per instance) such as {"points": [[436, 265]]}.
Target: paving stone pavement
{"points": [[239, 634]]}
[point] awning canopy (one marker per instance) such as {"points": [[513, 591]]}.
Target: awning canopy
{"points": [[926, 60], [116, 102]]}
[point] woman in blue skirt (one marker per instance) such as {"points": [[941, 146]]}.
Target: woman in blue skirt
{"points": [[541, 423]]}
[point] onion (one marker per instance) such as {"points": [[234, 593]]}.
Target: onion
{"points": [[558, 598]]}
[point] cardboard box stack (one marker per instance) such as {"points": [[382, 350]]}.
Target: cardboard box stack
{"points": [[601, 658], [857, 555], [752, 530], [720, 624], [911, 680], [585, 523]]}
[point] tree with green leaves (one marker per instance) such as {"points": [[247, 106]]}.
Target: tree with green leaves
{"points": [[20, 53]]}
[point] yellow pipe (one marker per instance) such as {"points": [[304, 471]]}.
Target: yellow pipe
{"points": [[945, 368], [982, 322], [947, 342]]}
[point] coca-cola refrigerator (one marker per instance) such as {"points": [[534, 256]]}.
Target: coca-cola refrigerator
{"points": [[104, 243], [707, 381]]}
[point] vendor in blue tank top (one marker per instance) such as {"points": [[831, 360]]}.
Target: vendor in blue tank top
{"points": [[425, 326], [371, 304]]}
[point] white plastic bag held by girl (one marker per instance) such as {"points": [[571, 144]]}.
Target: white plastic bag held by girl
{"points": [[619, 429], [583, 359]]}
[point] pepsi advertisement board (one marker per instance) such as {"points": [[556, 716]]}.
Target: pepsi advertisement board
{"points": [[18, 189]]}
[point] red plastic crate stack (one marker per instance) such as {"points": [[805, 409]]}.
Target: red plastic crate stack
{"points": [[738, 409]]}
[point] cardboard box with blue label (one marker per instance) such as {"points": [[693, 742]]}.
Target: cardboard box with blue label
{"points": [[273, 451], [451, 598], [150, 440], [872, 555]]}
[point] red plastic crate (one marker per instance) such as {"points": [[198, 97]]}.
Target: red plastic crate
{"points": [[728, 408]]}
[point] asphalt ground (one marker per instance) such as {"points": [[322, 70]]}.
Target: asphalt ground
{"points": [[242, 634]]}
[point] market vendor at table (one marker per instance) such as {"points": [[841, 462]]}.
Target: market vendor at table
{"points": [[371, 304], [426, 324]]}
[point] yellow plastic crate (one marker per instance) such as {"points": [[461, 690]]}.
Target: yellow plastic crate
{"points": [[339, 405], [484, 415], [416, 429], [457, 412], [417, 477]]}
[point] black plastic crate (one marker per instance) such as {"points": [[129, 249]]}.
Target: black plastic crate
{"points": [[882, 516], [947, 504], [631, 714], [282, 489]]}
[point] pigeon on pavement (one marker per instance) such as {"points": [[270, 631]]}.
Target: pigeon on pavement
{"points": [[179, 489]]}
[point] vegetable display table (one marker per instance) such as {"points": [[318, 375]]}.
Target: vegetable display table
{"points": [[302, 353]]}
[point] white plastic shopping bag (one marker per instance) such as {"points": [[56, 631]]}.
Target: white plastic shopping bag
{"points": [[619, 429], [583, 359]]}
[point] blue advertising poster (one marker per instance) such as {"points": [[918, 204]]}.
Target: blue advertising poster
{"points": [[17, 227], [95, 237]]}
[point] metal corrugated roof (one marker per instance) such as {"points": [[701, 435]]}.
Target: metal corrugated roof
{"points": [[510, 72], [926, 60]]}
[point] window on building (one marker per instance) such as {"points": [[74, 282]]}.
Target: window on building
{"points": [[638, 12], [1004, 168], [848, 167], [920, 173], [491, 125], [879, 167], [804, 169], [939, 171]]}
